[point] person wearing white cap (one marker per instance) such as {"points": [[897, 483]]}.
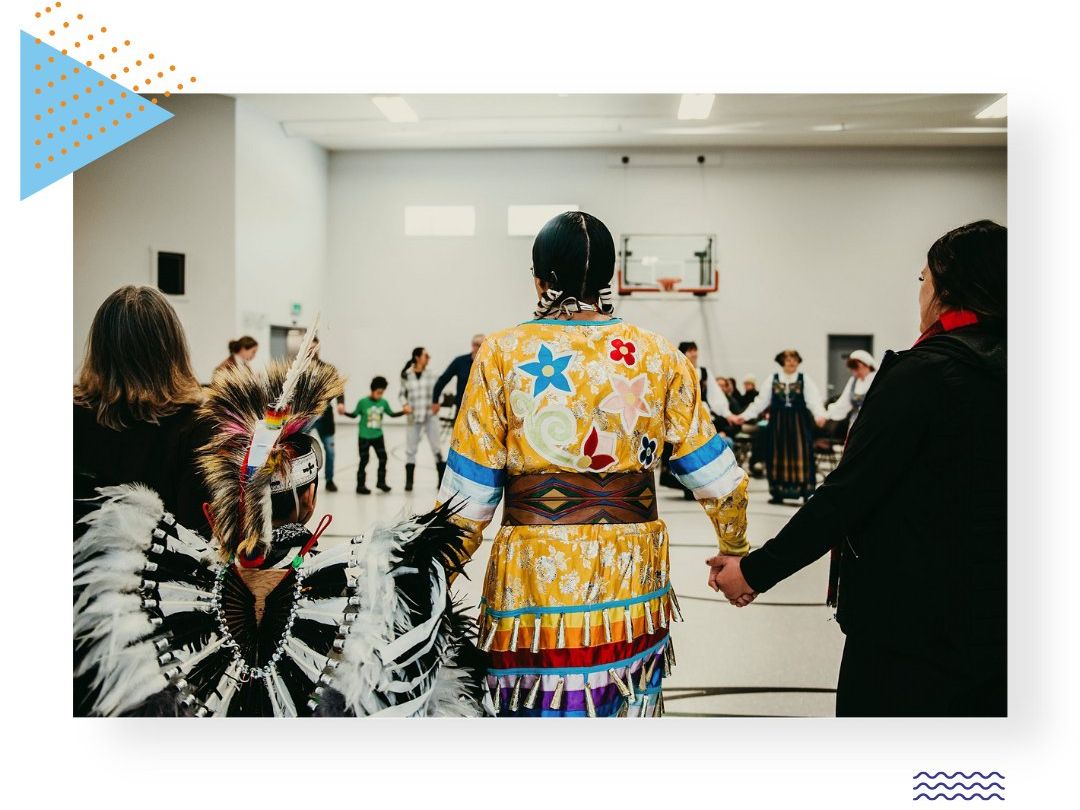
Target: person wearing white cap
{"points": [[863, 370]]}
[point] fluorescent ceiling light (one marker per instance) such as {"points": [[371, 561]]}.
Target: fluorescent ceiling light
{"points": [[695, 106], [440, 220], [995, 110], [396, 109], [829, 128], [527, 220]]}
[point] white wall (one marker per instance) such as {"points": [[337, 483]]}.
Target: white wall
{"points": [[281, 218], [170, 189], [810, 242]]}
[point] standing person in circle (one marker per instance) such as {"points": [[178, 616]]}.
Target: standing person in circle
{"points": [[417, 383], [566, 413], [459, 368], [863, 370], [917, 507], [241, 353], [326, 428], [371, 410], [795, 405]]}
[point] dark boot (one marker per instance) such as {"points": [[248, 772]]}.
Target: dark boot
{"points": [[440, 467], [360, 488], [381, 485], [409, 470]]}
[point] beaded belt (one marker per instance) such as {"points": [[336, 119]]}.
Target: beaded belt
{"points": [[579, 498]]}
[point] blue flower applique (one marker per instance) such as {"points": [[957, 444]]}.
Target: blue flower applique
{"points": [[648, 451], [549, 371]]}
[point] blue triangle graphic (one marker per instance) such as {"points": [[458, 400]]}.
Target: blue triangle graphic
{"points": [[55, 118]]}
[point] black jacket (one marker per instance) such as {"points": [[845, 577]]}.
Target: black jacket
{"points": [[162, 456], [917, 505]]}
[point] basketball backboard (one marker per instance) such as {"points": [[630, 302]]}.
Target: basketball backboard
{"points": [[680, 263]]}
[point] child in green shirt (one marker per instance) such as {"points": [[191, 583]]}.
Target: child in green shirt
{"points": [[371, 410]]}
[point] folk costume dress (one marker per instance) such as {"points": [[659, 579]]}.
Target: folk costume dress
{"points": [[793, 401], [566, 418]]}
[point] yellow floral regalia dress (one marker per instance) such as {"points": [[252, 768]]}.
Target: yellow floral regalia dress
{"points": [[569, 417]]}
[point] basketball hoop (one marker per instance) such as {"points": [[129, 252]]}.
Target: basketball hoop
{"points": [[667, 284]]}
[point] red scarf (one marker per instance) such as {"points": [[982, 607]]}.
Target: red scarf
{"points": [[950, 320]]}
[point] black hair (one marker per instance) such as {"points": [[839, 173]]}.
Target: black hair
{"points": [[242, 344], [687, 345], [282, 504], [969, 268], [781, 355], [419, 350], [379, 382], [574, 254]]}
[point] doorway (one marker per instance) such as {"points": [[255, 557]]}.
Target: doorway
{"points": [[840, 348], [285, 341]]}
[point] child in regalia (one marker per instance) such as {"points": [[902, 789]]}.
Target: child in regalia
{"points": [[259, 621]]}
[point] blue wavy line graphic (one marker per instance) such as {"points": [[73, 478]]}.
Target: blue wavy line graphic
{"points": [[966, 798], [961, 774], [959, 786]]}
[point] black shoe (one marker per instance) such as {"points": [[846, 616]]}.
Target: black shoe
{"points": [[331, 486], [776, 499], [688, 495], [362, 490], [440, 468], [409, 470], [382, 486]]}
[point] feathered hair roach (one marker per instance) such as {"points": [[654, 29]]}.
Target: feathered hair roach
{"points": [[292, 395]]}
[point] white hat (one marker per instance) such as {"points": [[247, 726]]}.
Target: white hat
{"points": [[863, 357], [750, 378]]}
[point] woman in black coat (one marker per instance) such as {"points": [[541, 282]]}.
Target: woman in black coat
{"points": [[917, 507], [135, 406]]}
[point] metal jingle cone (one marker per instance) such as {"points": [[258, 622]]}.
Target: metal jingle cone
{"points": [[644, 706], [650, 628], [607, 625], [556, 697], [659, 704], [560, 635], [624, 710], [630, 684], [675, 605], [671, 651], [663, 614], [490, 639], [667, 664], [624, 690], [646, 674], [496, 695], [590, 707], [586, 631], [530, 699], [536, 634], [515, 695], [515, 630]]}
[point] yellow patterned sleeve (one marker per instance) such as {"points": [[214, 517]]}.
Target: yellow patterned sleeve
{"points": [[703, 462], [476, 464]]}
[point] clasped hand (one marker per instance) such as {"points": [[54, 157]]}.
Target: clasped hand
{"points": [[725, 574]]}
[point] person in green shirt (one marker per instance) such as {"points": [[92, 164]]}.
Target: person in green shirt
{"points": [[371, 410]]}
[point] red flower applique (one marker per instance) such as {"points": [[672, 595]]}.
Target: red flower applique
{"points": [[598, 461], [623, 351]]}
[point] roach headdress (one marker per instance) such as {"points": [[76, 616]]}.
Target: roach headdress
{"points": [[253, 415]]}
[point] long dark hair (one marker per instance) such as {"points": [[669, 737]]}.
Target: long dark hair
{"points": [[969, 268], [137, 367], [574, 255], [419, 350]]}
